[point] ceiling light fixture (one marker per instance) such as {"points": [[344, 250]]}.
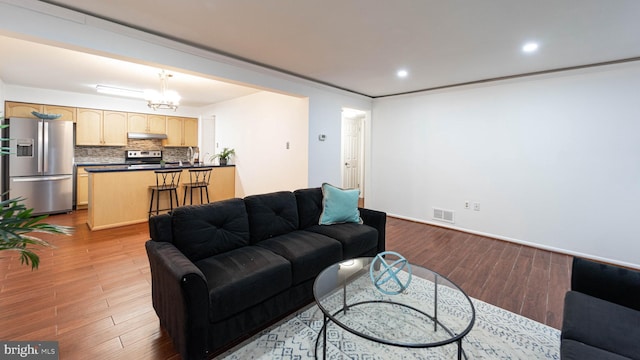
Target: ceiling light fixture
{"points": [[112, 90], [530, 47], [402, 73], [165, 99]]}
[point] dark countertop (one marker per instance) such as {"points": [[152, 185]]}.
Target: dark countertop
{"points": [[95, 168]]}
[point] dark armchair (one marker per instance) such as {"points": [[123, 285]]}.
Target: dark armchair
{"points": [[601, 313]]}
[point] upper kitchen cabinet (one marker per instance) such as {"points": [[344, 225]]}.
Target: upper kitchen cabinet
{"points": [[68, 113], [147, 123], [23, 110], [101, 128], [182, 131]]}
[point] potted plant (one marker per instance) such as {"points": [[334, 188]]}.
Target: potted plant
{"points": [[17, 226], [224, 156]]}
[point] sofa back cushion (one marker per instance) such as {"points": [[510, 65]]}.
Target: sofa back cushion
{"points": [[271, 214], [201, 231], [309, 206]]}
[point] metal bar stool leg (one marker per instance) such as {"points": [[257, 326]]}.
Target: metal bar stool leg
{"points": [[184, 197], [151, 202], [157, 202]]}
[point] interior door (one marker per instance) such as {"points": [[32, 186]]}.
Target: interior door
{"points": [[351, 149]]}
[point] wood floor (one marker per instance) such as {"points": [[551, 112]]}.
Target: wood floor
{"points": [[92, 292]]}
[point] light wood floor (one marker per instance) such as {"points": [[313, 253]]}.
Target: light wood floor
{"points": [[92, 292]]}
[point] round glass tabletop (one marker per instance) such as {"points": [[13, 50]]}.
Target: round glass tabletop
{"points": [[411, 307]]}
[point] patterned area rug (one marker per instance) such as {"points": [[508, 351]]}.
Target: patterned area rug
{"points": [[497, 334]]}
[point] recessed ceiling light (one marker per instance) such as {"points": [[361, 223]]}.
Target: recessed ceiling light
{"points": [[402, 73], [530, 47]]}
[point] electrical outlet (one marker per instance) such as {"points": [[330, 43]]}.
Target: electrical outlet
{"points": [[466, 205], [476, 206]]}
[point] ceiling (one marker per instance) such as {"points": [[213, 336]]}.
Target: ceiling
{"points": [[78, 72], [358, 45]]}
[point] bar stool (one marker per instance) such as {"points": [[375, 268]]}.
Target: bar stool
{"points": [[166, 180], [198, 179]]}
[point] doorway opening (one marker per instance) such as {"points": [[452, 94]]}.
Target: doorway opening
{"points": [[352, 159]]}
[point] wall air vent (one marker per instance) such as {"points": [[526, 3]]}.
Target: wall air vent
{"points": [[444, 215]]}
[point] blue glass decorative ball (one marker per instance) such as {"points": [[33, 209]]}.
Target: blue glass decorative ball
{"points": [[387, 280]]}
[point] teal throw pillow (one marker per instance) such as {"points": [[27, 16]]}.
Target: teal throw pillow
{"points": [[339, 205]]}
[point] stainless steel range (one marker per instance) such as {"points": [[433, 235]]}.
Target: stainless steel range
{"points": [[140, 159]]}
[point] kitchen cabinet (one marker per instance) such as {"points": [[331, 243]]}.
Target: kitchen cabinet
{"points": [[20, 109], [114, 128], [68, 113], [190, 132], [182, 131], [101, 128], [147, 123], [89, 127], [82, 188]]}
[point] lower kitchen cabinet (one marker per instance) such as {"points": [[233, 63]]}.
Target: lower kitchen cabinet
{"points": [[82, 188]]}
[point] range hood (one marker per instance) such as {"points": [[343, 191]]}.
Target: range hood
{"points": [[137, 135]]}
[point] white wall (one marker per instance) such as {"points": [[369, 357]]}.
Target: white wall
{"points": [[47, 23], [258, 126], [2, 95], [553, 160]]}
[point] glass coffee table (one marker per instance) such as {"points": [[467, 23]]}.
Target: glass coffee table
{"points": [[431, 311]]}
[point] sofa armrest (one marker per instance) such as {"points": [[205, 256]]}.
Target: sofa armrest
{"points": [[377, 220], [607, 282], [180, 297], [160, 228]]}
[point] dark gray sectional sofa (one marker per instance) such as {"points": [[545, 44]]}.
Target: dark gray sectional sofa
{"points": [[222, 271], [601, 313]]}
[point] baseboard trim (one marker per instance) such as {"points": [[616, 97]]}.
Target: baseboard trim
{"points": [[521, 242]]}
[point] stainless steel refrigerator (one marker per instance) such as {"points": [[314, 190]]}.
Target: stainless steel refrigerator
{"points": [[39, 167]]}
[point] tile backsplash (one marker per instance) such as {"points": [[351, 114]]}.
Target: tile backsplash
{"points": [[115, 154]]}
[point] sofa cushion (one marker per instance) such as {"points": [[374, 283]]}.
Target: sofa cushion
{"points": [[309, 206], [339, 205], [271, 214], [356, 239], [575, 350], [601, 324], [308, 252], [243, 277], [205, 230], [606, 281]]}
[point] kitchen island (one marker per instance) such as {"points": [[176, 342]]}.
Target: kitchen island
{"points": [[119, 194]]}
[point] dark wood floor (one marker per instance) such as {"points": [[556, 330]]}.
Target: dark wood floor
{"points": [[92, 292]]}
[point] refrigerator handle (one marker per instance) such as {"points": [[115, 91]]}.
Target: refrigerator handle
{"points": [[38, 153], [45, 148]]}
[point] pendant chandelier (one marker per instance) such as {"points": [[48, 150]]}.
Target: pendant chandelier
{"points": [[165, 98]]}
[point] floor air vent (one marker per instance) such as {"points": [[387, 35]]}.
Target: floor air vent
{"points": [[443, 215]]}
